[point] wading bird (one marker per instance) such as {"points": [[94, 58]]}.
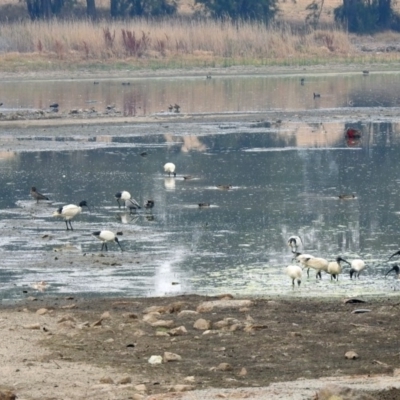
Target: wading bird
{"points": [[149, 204], [123, 195], [395, 254], [334, 268], [107, 236], [37, 196], [294, 272], [169, 168], [301, 258], [70, 211], [317, 263], [132, 205], [294, 242], [396, 269], [357, 266]]}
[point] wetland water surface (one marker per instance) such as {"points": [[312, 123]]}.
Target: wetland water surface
{"points": [[286, 178]]}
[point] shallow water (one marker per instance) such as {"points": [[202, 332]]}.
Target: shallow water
{"points": [[285, 180]]}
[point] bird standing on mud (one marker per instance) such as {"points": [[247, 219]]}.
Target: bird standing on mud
{"points": [[70, 211], [294, 272], [107, 236], [36, 195]]}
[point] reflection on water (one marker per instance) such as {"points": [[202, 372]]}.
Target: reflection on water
{"points": [[199, 95], [283, 183]]}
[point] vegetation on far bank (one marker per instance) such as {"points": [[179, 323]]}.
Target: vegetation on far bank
{"points": [[172, 43]]}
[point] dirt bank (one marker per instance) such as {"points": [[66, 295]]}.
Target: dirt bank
{"points": [[79, 349]]}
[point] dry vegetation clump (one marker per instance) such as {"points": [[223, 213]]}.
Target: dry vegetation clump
{"points": [[171, 42]]}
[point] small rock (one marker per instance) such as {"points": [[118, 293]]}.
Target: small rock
{"points": [[181, 388], [224, 367], [189, 379], [33, 326], [351, 355], [141, 388], [151, 317], [155, 360], [155, 309], [105, 315], [66, 318], [171, 357], [137, 396], [162, 333], [360, 311], [125, 380], [42, 311], [162, 324], [202, 324], [97, 323], [243, 372], [223, 304], [106, 380], [110, 340], [179, 331], [187, 313]]}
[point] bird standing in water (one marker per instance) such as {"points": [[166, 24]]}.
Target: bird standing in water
{"points": [[70, 211], [36, 195], [107, 236]]}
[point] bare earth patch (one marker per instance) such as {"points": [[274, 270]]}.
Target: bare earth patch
{"points": [[72, 348]]}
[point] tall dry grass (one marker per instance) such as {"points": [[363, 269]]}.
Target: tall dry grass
{"points": [[168, 43]]}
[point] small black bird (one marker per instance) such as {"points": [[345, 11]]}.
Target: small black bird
{"points": [[54, 105], [149, 204], [37, 196]]}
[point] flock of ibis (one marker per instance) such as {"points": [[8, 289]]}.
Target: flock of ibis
{"points": [[70, 211], [319, 264]]}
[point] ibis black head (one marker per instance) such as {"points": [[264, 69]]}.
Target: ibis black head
{"points": [[33, 188], [395, 254], [395, 268], [118, 195], [97, 233], [338, 259], [84, 203], [149, 204]]}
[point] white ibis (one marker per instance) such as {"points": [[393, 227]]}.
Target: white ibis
{"points": [[294, 242], [36, 195], [107, 236], [356, 266], [169, 168], [70, 211], [317, 263], [295, 273], [301, 258], [123, 195], [334, 268]]}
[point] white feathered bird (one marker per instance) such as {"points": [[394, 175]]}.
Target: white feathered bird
{"points": [[317, 263], [107, 236], [123, 195], [295, 273], [335, 268], [301, 258], [70, 211], [295, 242], [169, 168], [356, 266]]}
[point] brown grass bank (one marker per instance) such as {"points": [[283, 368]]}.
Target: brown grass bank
{"points": [[171, 44]]}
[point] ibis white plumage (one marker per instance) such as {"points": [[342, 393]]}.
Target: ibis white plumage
{"points": [[317, 263], [169, 168], [70, 211], [123, 195], [107, 236], [335, 268], [295, 242], [356, 266], [295, 273], [301, 258]]}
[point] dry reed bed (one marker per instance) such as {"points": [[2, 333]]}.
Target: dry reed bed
{"points": [[142, 42]]}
